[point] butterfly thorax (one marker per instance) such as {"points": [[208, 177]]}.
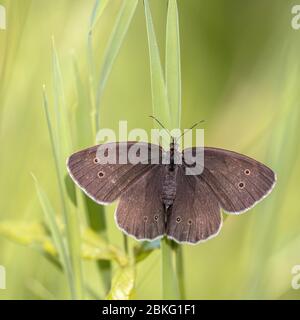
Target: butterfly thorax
{"points": [[169, 183], [174, 155]]}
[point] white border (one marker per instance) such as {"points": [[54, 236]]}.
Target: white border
{"points": [[169, 237], [84, 190], [256, 202]]}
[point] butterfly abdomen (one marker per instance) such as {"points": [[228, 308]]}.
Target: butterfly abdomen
{"points": [[169, 188]]}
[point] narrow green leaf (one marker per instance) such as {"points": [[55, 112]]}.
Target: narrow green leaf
{"points": [[82, 128], [62, 129], [96, 213], [180, 271], [56, 235], [170, 288], [159, 93], [173, 84], [65, 147], [70, 187], [161, 110], [116, 39], [97, 11], [173, 69], [122, 284], [70, 220]]}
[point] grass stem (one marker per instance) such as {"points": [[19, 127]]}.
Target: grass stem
{"points": [[169, 283]]}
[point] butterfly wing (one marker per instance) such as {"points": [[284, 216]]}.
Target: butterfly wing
{"points": [[105, 182], [140, 212], [238, 182], [195, 214]]}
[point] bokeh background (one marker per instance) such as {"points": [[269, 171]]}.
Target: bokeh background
{"points": [[240, 72]]}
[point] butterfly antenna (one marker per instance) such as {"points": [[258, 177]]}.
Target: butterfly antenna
{"points": [[160, 124], [191, 128]]}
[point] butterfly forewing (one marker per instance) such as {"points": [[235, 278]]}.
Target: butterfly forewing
{"points": [[237, 181], [105, 182]]}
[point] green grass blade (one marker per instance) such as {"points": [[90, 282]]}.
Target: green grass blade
{"points": [[82, 127], [70, 219], [97, 11], [161, 110], [118, 34], [173, 70], [159, 94], [170, 288], [96, 213], [55, 152], [56, 234], [180, 271], [63, 131], [97, 221], [173, 85]]}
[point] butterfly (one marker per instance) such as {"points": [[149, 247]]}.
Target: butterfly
{"points": [[159, 199]]}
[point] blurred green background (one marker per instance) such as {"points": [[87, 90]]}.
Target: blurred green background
{"points": [[240, 72]]}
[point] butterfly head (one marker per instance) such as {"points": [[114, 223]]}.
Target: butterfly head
{"points": [[173, 144]]}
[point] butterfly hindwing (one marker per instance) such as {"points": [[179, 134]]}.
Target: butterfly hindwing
{"points": [[195, 214], [140, 211]]}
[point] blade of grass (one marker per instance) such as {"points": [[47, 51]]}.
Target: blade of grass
{"points": [[64, 150], [170, 288], [159, 94], [96, 213], [97, 11], [56, 235], [173, 85], [161, 110], [62, 129], [180, 271], [82, 126], [97, 221], [118, 34], [70, 219], [173, 70]]}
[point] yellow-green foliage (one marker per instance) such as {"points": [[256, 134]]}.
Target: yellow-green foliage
{"points": [[239, 72]]}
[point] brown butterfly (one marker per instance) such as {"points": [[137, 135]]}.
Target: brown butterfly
{"points": [[158, 199]]}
